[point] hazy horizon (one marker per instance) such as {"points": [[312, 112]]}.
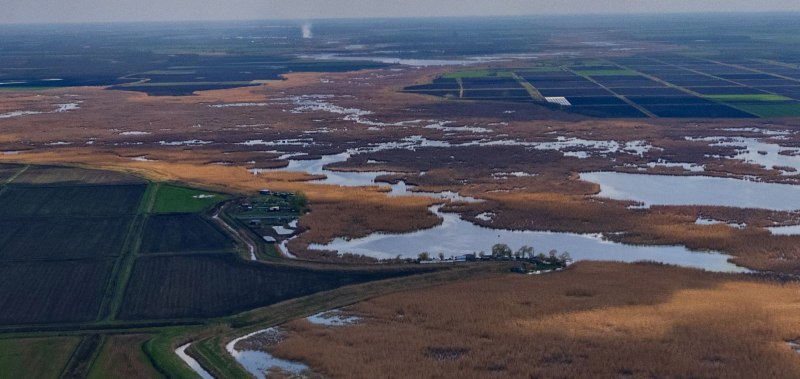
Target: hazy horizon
{"points": [[96, 11]]}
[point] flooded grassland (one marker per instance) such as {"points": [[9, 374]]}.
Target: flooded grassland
{"points": [[373, 160]]}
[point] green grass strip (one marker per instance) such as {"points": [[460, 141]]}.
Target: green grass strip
{"points": [[771, 110], [176, 199], [750, 97]]}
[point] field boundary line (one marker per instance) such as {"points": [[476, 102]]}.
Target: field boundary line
{"points": [[17, 174], [755, 71], [710, 76], [80, 362], [623, 98], [234, 233], [121, 273], [535, 94]]}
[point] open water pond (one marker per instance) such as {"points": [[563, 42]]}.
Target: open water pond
{"points": [[695, 190], [456, 237]]}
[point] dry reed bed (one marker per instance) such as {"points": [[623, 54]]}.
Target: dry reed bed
{"points": [[595, 320], [121, 356], [357, 212], [552, 200]]}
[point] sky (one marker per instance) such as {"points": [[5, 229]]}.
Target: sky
{"points": [[35, 11]]}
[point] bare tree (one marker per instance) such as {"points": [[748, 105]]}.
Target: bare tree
{"points": [[525, 251], [501, 250]]}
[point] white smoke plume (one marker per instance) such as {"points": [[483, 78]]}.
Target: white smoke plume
{"points": [[307, 32]]}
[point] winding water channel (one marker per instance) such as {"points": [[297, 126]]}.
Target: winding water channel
{"points": [[456, 236]]}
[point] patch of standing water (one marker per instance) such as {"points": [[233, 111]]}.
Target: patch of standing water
{"points": [[134, 133], [238, 105], [443, 126], [60, 108], [194, 364], [711, 221], [404, 62], [356, 179], [402, 189], [792, 230], [593, 147], [284, 245], [333, 317], [191, 142], [303, 142], [142, 158], [18, 114], [340, 178], [794, 345], [66, 107], [485, 216], [456, 237], [259, 363], [768, 155], [695, 190], [766, 132]]}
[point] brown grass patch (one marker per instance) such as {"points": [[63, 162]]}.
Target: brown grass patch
{"points": [[229, 95], [122, 357], [8, 138], [553, 199], [641, 321]]}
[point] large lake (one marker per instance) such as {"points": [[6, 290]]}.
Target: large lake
{"points": [[695, 190]]}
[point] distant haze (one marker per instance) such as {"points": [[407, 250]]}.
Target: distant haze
{"points": [[31, 11]]}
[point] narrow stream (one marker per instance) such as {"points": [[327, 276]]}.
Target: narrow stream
{"points": [[194, 364]]}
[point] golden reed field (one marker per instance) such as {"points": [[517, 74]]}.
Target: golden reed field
{"points": [[595, 320]]}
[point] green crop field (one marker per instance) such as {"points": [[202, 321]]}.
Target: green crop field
{"points": [[749, 98], [772, 110], [35, 358], [175, 199]]}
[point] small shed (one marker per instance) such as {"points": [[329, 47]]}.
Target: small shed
{"points": [[269, 239]]}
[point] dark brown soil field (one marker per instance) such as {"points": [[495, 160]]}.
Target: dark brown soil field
{"points": [[53, 291], [56, 238], [182, 233], [211, 285]]}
